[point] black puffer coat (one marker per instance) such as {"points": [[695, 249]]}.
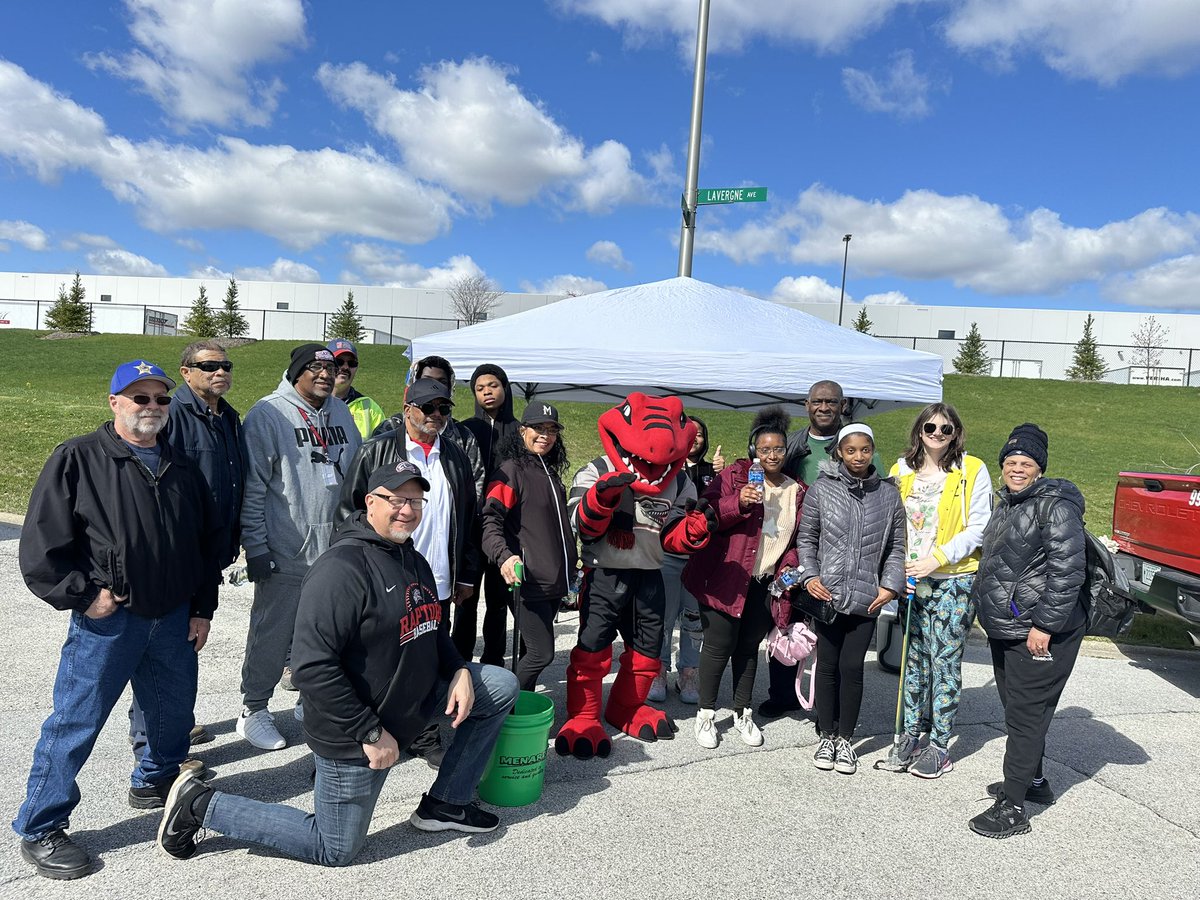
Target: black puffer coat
{"points": [[1033, 562]]}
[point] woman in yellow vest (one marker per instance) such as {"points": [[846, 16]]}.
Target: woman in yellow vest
{"points": [[947, 502]]}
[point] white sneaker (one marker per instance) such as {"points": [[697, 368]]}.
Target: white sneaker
{"points": [[845, 759], [658, 689], [298, 712], [706, 729], [259, 729], [747, 729]]}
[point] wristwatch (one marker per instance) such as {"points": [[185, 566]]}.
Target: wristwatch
{"points": [[373, 735]]}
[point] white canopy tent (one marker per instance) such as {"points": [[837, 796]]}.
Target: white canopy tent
{"points": [[713, 347]]}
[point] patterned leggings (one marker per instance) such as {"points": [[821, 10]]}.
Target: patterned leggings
{"points": [[933, 675]]}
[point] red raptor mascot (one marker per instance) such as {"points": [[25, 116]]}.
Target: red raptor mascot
{"points": [[627, 506]]}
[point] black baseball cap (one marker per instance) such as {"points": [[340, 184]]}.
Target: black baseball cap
{"points": [[537, 413], [393, 475], [424, 390]]}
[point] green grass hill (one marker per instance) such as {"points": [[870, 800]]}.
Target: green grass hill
{"points": [[57, 389]]}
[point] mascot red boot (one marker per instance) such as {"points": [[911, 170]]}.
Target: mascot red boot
{"points": [[627, 506]]}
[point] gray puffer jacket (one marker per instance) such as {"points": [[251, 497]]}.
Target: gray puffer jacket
{"points": [[1033, 562], [852, 535]]}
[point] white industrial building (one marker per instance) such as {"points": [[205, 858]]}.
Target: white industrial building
{"points": [[1027, 343]]}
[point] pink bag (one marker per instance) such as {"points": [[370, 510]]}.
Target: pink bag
{"points": [[793, 645]]}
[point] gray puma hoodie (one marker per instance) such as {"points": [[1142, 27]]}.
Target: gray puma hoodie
{"points": [[289, 506]]}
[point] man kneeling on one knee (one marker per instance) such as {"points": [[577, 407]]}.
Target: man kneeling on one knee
{"points": [[367, 628]]}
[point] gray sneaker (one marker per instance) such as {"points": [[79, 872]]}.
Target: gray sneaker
{"points": [[933, 762], [823, 759], [845, 759]]}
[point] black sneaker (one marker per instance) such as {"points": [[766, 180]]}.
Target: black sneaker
{"points": [[773, 709], [56, 856], [434, 815], [1041, 794], [1003, 820], [152, 796], [183, 815]]}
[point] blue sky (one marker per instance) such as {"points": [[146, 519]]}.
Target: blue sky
{"points": [[982, 152]]}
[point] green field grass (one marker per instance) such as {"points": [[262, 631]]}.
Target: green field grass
{"points": [[57, 389]]}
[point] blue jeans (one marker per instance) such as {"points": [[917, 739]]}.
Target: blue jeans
{"points": [[345, 791], [682, 607], [100, 657]]}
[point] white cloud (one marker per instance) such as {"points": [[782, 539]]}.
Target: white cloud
{"points": [[26, 234], [1170, 284], [440, 130], [197, 57], [122, 262], [924, 235], [608, 253], [576, 285], [825, 26], [902, 92], [210, 273], [386, 266], [280, 270], [887, 298], [301, 197], [796, 289], [1102, 40]]}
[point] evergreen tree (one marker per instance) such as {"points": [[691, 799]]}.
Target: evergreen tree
{"points": [[201, 323], [346, 322], [862, 324], [972, 356], [1087, 363], [230, 321], [69, 312]]}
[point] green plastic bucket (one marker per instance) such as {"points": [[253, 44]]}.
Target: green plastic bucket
{"points": [[515, 773]]}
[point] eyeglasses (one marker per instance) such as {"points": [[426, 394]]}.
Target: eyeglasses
{"points": [[398, 503], [146, 399], [318, 367], [930, 428], [347, 362], [770, 452], [819, 401], [546, 428], [430, 408], [211, 365]]}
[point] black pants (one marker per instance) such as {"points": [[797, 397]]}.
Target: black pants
{"points": [[841, 649], [1030, 691], [495, 619], [729, 640], [628, 602], [537, 640]]}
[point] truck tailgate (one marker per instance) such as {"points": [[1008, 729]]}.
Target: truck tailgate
{"points": [[1157, 517]]}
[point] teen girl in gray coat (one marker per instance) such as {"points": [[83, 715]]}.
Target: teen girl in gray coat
{"points": [[851, 544]]}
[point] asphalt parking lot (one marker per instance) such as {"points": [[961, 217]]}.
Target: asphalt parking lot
{"points": [[665, 820]]}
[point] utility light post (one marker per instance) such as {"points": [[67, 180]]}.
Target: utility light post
{"points": [[845, 259], [687, 232]]}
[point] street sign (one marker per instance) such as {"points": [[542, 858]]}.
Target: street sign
{"points": [[708, 196]]}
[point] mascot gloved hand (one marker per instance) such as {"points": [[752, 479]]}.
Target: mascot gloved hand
{"points": [[699, 521], [607, 490]]}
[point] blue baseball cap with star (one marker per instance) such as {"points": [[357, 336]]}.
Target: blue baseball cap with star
{"points": [[338, 346], [137, 370]]}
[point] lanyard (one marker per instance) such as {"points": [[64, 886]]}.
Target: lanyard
{"points": [[316, 434]]}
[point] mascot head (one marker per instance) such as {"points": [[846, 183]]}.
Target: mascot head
{"points": [[648, 436]]}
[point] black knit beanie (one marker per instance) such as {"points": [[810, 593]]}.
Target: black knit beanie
{"points": [[1028, 440], [489, 369], [302, 356]]}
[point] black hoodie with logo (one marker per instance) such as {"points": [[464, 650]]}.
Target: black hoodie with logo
{"points": [[367, 649]]}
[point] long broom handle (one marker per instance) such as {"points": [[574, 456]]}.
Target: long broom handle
{"points": [[903, 664], [516, 592]]}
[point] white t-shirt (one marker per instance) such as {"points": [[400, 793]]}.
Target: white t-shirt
{"points": [[432, 537]]}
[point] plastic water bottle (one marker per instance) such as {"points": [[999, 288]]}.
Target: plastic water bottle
{"points": [[788, 579], [756, 476]]}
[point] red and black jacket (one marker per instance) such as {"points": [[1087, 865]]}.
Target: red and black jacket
{"points": [[525, 514]]}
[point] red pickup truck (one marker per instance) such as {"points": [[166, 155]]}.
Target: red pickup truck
{"points": [[1156, 524]]}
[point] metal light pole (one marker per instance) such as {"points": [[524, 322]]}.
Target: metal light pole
{"points": [[845, 259], [687, 232]]}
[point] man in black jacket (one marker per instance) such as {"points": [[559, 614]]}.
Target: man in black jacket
{"points": [[445, 534], [121, 531], [373, 666]]}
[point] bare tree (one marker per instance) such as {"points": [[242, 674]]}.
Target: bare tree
{"points": [[473, 297], [1148, 342]]}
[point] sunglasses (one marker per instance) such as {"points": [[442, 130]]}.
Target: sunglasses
{"points": [[146, 399], [398, 503], [211, 365], [930, 428], [430, 408], [347, 362]]}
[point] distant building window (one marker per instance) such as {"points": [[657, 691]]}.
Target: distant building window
{"points": [[281, 306], [106, 298], [945, 334]]}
